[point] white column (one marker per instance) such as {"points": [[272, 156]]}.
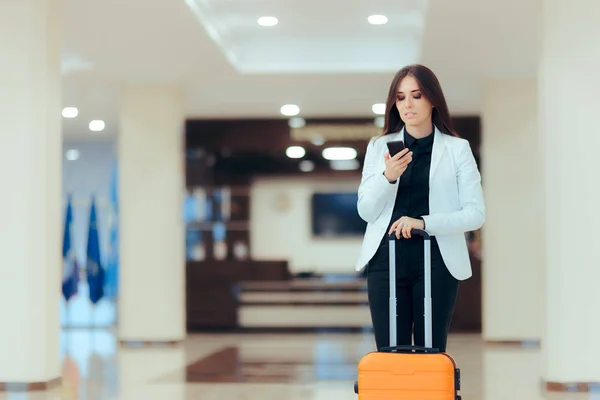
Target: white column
{"points": [[569, 107], [512, 246], [30, 205], [151, 186]]}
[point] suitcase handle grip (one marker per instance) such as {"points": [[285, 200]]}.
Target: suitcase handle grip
{"points": [[408, 349], [416, 232]]}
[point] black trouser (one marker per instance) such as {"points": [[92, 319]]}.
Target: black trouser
{"points": [[410, 292]]}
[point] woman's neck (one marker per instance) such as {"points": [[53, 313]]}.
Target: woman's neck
{"points": [[419, 132]]}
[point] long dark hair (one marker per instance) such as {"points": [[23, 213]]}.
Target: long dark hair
{"points": [[430, 88]]}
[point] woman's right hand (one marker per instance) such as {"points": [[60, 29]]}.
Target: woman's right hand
{"points": [[395, 166]]}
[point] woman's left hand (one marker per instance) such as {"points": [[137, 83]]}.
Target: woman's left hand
{"points": [[405, 225]]}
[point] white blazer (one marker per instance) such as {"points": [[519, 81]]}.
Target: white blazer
{"points": [[456, 202]]}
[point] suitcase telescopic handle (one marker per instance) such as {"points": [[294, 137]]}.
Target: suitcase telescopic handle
{"points": [[427, 282], [415, 232]]}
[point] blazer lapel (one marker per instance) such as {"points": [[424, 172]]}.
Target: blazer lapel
{"points": [[439, 145]]}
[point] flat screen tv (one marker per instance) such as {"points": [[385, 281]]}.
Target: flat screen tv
{"points": [[335, 214]]}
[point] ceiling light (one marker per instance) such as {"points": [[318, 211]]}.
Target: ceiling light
{"points": [[339, 153], [377, 19], [290, 110], [70, 112], [307, 166], [378, 108], [295, 152], [344, 165], [72, 155], [97, 125], [317, 140], [267, 21], [296, 122]]}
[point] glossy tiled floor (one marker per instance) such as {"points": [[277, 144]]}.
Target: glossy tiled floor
{"points": [[268, 367]]}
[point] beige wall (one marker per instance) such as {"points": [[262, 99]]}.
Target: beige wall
{"points": [[512, 244], [284, 232]]}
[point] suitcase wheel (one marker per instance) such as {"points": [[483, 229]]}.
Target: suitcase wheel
{"points": [[356, 388]]}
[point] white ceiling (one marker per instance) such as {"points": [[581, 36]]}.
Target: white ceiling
{"points": [[323, 55], [314, 36]]}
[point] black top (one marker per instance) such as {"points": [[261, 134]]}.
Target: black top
{"points": [[412, 199]]}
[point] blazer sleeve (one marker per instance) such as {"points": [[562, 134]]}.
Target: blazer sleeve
{"points": [[472, 213], [374, 190]]}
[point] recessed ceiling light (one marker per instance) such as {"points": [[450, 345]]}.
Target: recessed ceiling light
{"points": [[72, 155], [344, 165], [306, 166], [295, 152], [317, 140], [378, 108], [268, 21], [377, 19], [290, 110], [97, 125], [297, 122], [339, 153], [70, 112]]}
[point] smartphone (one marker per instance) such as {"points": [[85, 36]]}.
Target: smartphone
{"points": [[395, 147]]}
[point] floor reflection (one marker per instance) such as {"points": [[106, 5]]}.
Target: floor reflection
{"points": [[269, 367], [230, 365], [89, 359]]}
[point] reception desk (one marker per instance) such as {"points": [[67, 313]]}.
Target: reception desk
{"points": [[211, 289]]}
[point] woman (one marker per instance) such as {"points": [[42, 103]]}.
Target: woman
{"points": [[433, 184]]}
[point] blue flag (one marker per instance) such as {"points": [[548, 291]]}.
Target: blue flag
{"points": [[112, 267], [112, 253], [95, 272], [70, 280]]}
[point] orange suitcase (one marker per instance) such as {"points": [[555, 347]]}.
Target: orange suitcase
{"points": [[408, 372]]}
